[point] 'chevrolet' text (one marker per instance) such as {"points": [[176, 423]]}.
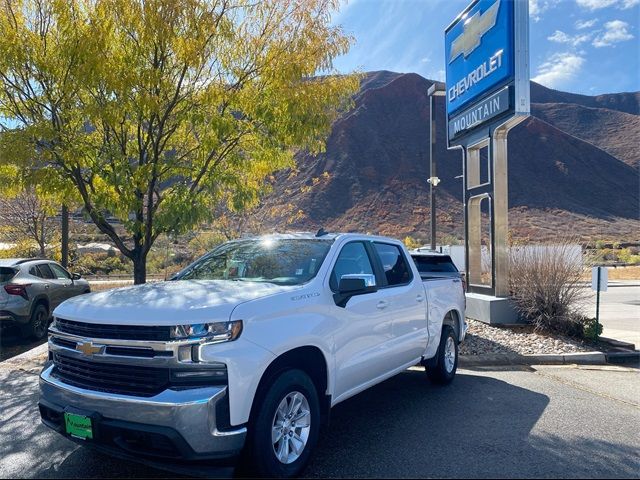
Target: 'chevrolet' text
{"points": [[475, 76]]}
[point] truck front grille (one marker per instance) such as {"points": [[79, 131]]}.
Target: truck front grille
{"points": [[115, 332], [109, 377]]}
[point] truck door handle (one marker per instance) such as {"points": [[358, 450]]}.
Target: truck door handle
{"points": [[382, 304], [419, 298]]}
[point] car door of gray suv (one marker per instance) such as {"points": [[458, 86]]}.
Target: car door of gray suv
{"points": [[63, 281]]}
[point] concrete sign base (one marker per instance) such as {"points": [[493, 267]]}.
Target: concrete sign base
{"points": [[492, 310]]}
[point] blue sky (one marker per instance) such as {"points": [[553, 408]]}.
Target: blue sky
{"points": [[581, 46]]}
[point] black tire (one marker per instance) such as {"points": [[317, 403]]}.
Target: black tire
{"points": [[442, 373], [260, 453], [38, 323]]}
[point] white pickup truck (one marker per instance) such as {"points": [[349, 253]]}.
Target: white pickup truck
{"points": [[246, 350]]}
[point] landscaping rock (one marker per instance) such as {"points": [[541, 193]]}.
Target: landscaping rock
{"points": [[484, 339]]}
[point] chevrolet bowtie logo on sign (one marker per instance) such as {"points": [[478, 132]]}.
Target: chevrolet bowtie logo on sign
{"points": [[88, 348], [474, 28], [479, 52]]}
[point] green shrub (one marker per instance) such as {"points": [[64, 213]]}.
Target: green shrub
{"points": [[591, 329], [101, 264], [627, 256]]}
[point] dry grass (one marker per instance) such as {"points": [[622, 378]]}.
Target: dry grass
{"points": [[102, 286], [618, 273], [625, 273], [546, 285]]}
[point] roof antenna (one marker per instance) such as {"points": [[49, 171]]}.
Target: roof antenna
{"points": [[321, 232]]}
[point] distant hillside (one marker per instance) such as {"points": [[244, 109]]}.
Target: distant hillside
{"points": [[572, 166], [628, 102], [615, 132]]}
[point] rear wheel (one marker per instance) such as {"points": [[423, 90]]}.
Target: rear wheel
{"points": [[286, 427], [38, 323], [447, 358]]}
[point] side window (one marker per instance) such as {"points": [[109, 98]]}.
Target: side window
{"points": [[59, 272], [436, 264], [353, 258], [35, 272], [394, 264], [45, 271]]}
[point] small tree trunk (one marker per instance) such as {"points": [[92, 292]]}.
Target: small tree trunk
{"points": [[139, 268], [65, 236]]}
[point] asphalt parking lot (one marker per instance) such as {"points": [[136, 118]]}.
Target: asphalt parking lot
{"points": [[619, 311], [552, 421]]}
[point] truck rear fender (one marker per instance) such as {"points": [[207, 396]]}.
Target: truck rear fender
{"points": [[453, 318]]}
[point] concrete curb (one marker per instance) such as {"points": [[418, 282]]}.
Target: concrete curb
{"points": [[617, 343], [580, 358]]}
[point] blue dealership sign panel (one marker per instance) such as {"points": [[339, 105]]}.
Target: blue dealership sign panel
{"points": [[486, 50]]}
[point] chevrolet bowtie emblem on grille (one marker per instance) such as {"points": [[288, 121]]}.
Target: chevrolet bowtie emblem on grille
{"points": [[88, 348], [474, 29]]}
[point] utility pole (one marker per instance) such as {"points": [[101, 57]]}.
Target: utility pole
{"points": [[436, 90]]}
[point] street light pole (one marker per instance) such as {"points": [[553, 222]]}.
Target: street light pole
{"points": [[438, 91]]}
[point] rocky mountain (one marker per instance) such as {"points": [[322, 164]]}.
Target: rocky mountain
{"points": [[573, 167]]}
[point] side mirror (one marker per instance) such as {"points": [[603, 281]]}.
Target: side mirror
{"points": [[76, 276], [349, 285], [354, 284]]}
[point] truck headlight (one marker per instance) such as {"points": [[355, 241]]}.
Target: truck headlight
{"points": [[213, 332]]}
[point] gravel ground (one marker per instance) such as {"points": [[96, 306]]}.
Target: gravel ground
{"points": [[482, 338]]}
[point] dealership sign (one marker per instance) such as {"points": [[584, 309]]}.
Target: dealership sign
{"points": [[487, 66]]}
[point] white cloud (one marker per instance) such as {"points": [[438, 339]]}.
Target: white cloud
{"points": [[538, 7], [596, 4], [558, 69], [575, 40], [615, 31], [581, 25], [600, 4]]}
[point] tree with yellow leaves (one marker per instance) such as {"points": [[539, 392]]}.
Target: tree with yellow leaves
{"points": [[154, 113]]}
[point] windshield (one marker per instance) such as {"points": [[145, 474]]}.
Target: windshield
{"points": [[279, 261]]}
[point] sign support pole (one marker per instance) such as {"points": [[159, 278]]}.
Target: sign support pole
{"points": [[432, 173], [598, 302]]}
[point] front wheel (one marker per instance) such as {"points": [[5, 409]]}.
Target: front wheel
{"points": [[447, 358], [286, 427]]}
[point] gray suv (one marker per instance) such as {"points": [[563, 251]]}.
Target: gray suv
{"points": [[30, 289]]}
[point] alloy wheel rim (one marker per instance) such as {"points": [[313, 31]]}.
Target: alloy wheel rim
{"points": [[39, 324], [291, 427], [449, 354]]}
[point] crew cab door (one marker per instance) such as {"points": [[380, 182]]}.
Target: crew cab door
{"points": [[407, 304], [362, 351]]}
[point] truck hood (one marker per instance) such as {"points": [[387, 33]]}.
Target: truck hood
{"points": [[180, 302]]}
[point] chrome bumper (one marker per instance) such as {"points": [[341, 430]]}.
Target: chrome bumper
{"points": [[191, 412]]}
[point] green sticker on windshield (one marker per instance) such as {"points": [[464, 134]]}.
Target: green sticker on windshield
{"points": [[78, 425]]}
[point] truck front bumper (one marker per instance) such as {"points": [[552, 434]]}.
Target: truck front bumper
{"points": [[174, 425]]}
